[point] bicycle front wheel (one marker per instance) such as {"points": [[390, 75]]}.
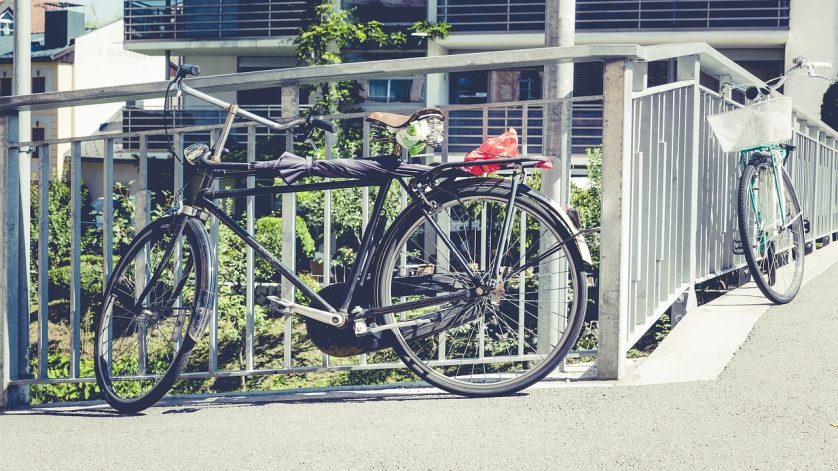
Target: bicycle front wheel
{"points": [[142, 341], [771, 230], [500, 340]]}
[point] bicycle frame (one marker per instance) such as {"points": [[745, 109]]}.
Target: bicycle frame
{"points": [[203, 204], [745, 156]]}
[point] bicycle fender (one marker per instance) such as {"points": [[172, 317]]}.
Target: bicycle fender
{"points": [[206, 297]]}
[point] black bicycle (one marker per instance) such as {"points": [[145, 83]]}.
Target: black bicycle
{"points": [[479, 284]]}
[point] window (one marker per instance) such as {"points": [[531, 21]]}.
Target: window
{"points": [[38, 134], [5, 86], [468, 88], [39, 84], [7, 20], [390, 90], [389, 12]]}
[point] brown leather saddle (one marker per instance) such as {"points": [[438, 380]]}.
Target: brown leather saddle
{"points": [[394, 120]]}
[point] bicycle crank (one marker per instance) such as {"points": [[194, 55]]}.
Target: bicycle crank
{"points": [[336, 319]]}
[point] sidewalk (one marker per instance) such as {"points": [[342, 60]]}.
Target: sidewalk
{"points": [[775, 406]]}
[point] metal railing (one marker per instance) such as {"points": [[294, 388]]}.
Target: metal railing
{"points": [[682, 188], [668, 15], [668, 206], [472, 16], [158, 20]]}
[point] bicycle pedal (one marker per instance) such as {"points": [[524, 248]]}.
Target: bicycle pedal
{"points": [[279, 304], [807, 226], [737, 247]]}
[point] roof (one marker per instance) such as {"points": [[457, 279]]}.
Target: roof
{"points": [[38, 53]]}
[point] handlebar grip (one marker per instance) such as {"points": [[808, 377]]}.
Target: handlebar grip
{"points": [[821, 65], [324, 125], [188, 69]]}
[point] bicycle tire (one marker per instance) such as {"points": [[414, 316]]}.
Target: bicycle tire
{"points": [[490, 190], [116, 382], [762, 258]]}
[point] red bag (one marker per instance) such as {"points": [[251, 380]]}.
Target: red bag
{"points": [[504, 146]]}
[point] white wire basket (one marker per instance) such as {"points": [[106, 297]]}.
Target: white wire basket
{"points": [[766, 122]]}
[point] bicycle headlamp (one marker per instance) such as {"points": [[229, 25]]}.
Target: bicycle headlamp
{"points": [[194, 151]]}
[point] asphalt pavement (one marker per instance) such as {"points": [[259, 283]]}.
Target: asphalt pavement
{"points": [[775, 406]]}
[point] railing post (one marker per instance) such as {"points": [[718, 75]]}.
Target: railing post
{"points": [[689, 68], [14, 274], [616, 213], [814, 219]]}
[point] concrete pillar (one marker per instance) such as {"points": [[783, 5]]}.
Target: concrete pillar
{"points": [[616, 200], [436, 85]]}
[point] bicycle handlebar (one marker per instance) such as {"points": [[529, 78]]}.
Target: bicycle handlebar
{"points": [[308, 122], [753, 92]]}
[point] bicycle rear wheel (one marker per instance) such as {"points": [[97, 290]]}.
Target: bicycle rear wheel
{"points": [[142, 345], [773, 241], [492, 343]]}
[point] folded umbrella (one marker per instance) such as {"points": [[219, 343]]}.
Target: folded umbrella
{"points": [[292, 167]]}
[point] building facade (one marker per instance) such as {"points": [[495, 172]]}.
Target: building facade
{"points": [[227, 36], [68, 56]]}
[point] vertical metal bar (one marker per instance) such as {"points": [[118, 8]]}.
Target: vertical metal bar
{"points": [[365, 196], [177, 186], [43, 262], [75, 260], [107, 228], [327, 221], [251, 221], [290, 108], [485, 122], [815, 225], [525, 132], [143, 209], [215, 136], [522, 279], [402, 206], [327, 229], [107, 208], [616, 213], [445, 131]]}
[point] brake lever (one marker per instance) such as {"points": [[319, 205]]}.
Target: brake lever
{"points": [[312, 144]]}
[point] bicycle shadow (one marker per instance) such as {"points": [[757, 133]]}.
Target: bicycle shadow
{"points": [[190, 405]]}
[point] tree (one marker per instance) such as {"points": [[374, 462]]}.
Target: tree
{"points": [[829, 107]]}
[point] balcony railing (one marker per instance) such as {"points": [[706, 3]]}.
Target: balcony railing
{"points": [[213, 19], [474, 16], [669, 14]]}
